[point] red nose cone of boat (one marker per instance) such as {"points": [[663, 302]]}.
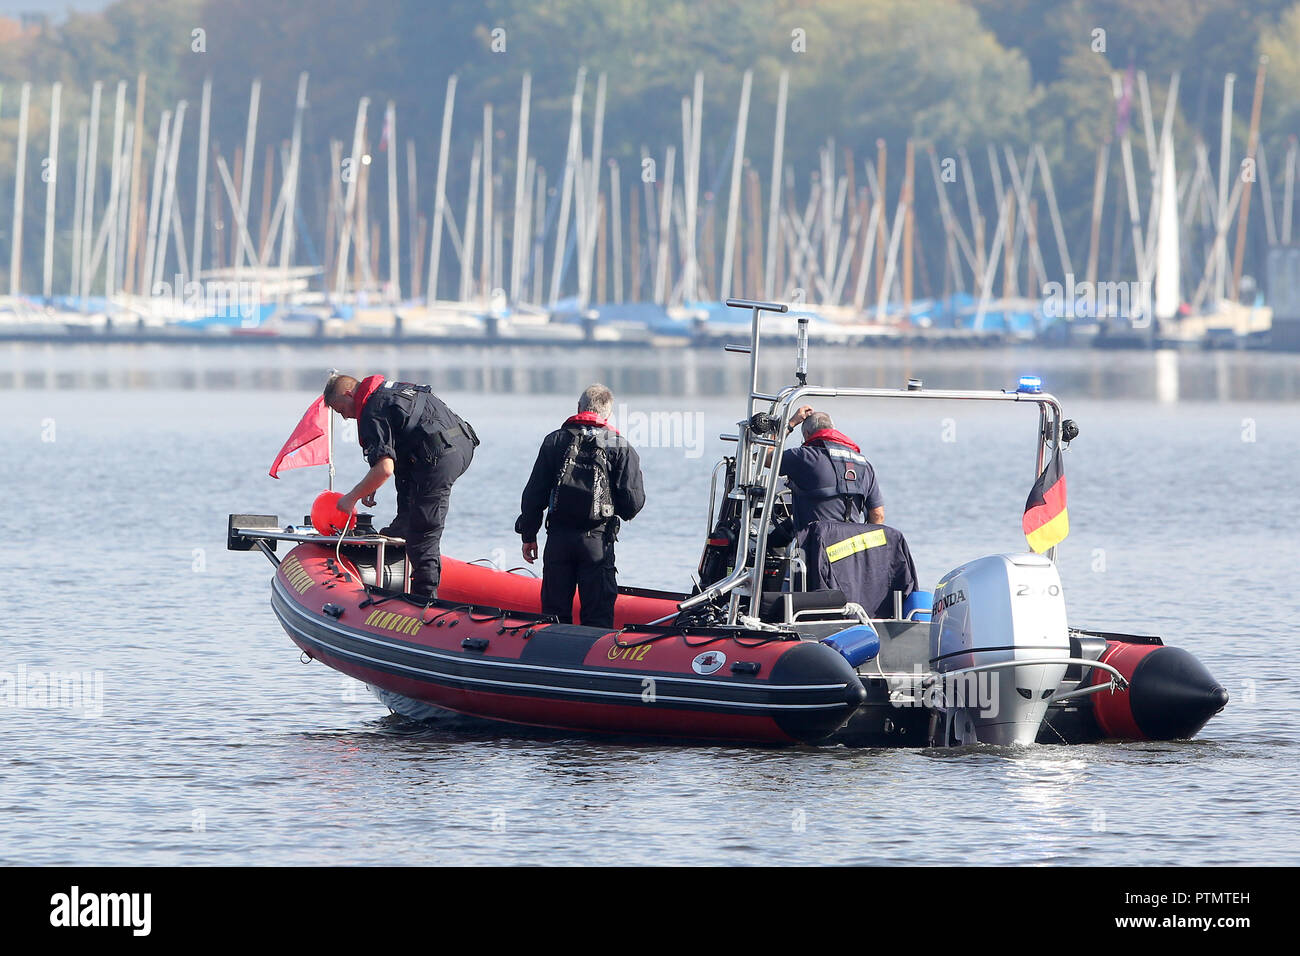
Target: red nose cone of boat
{"points": [[326, 517], [1170, 696]]}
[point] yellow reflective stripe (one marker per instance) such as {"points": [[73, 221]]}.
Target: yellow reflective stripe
{"points": [[859, 542], [296, 575], [1049, 534], [401, 623]]}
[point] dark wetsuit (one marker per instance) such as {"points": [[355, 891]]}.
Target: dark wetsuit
{"points": [[431, 446]]}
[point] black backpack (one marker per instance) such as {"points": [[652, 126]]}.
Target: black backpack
{"points": [[581, 497]]}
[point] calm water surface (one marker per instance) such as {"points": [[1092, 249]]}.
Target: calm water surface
{"points": [[215, 745]]}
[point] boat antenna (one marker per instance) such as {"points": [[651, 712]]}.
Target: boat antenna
{"points": [[329, 437], [801, 354]]}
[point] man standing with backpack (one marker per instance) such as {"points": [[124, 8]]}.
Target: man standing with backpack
{"points": [[586, 477]]}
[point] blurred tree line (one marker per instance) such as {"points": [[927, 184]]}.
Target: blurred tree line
{"points": [[954, 73]]}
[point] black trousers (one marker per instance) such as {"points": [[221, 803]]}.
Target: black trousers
{"points": [[428, 492], [584, 560]]}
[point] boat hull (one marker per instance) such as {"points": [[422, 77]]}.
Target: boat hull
{"points": [[465, 657], [757, 687]]}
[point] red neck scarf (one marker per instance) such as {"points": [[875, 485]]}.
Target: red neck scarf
{"points": [[831, 435], [365, 388], [588, 418]]}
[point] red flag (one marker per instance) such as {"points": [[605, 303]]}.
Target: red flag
{"points": [[308, 445]]}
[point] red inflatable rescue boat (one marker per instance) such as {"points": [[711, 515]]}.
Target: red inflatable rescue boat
{"points": [[461, 655]]}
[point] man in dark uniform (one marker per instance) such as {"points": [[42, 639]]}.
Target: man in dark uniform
{"points": [[583, 512], [834, 491], [830, 479], [407, 431]]}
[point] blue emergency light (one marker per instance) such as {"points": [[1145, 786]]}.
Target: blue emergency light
{"points": [[1030, 385]]}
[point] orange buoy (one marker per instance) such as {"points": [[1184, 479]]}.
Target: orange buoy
{"points": [[326, 517]]}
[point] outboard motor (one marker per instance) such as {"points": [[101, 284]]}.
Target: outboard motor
{"points": [[1004, 614]]}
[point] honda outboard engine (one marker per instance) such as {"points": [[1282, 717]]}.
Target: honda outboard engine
{"points": [[996, 623]]}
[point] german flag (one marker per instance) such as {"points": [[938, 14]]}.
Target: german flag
{"points": [[1046, 521]]}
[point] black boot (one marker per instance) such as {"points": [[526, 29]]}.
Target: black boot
{"points": [[397, 529]]}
